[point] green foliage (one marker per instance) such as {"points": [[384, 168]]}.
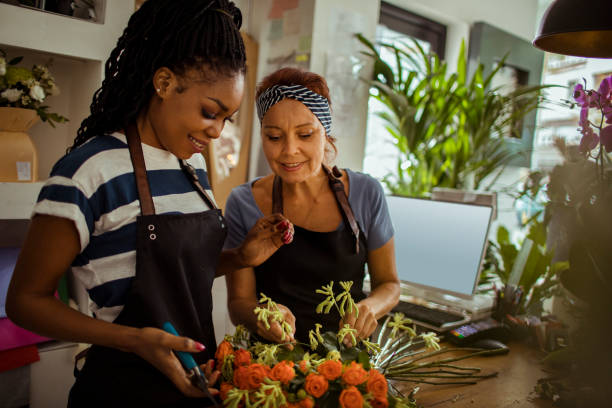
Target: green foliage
{"points": [[448, 128], [539, 277]]}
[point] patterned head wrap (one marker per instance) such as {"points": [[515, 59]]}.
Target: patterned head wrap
{"points": [[317, 104]]}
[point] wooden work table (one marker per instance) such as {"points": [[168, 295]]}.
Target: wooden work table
{"points": [[518, 373]]}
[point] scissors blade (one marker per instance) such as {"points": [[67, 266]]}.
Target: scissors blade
{"points": [[199, 380]]}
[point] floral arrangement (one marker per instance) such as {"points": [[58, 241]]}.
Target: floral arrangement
{"points": [[600, 100], [24, 88], [326, 373]]}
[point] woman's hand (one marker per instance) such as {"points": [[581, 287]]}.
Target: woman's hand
{"points": [[275, 332], [267, 235], [156, 346], [364, 324]]}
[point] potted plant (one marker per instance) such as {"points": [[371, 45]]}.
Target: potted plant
{"points": [[449, 128], [580, 214], [22, 93]]}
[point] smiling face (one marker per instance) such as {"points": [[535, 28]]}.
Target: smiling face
{"points": [[186, 113], [293, 140]]}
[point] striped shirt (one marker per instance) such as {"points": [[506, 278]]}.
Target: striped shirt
{"points": [[94, 186]]}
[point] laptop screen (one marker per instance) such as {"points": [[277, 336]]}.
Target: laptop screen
{"points": [[439, 245]]}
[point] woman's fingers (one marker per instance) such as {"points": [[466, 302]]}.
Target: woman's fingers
{"points": [[364, 323], [275, 332], [156, 346], [264, 238]]}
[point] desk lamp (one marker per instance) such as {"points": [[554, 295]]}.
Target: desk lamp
{"points": [[582, 28]]}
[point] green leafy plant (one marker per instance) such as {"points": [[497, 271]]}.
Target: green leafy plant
{"points": [[448, 128], [27, 88]]}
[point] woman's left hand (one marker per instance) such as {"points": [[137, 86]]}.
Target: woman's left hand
{"points": [[210, 373], [364, 323], [267, 235]]}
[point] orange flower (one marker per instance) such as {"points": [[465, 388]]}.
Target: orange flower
{"points": [[303, 366], [379, 402], [316, 385], [354, 374], [283, 372], [242, 357], [249, 377], [330, 369], [377, 384], [223, 350], [307, 403], [351, 398], [224, 389]]}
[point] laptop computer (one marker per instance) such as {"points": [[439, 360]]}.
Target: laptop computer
{"points": [[439, 251]]}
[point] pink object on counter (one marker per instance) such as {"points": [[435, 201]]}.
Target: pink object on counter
{"points": [[12, 336]]}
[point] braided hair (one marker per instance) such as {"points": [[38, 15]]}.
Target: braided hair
{"points": [[177, 34]]}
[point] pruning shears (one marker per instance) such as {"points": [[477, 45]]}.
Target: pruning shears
{"points": [[198, 379]]}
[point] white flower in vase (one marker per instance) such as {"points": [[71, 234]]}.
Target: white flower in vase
{"points": [[11, 94], [37, 93]]}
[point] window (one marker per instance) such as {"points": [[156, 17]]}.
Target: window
{"points": [[395, 26]]}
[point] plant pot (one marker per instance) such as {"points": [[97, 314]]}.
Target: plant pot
{"points": [[18, 155]]}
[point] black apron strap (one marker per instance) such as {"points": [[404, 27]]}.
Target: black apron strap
{"points": [[195, 180], [337, 186], [277, 195], [142, 182]]}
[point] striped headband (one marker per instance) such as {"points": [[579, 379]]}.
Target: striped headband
{"points": [[317, 104]]}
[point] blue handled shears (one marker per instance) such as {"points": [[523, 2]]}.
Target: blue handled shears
{"points": [[197, 376]]}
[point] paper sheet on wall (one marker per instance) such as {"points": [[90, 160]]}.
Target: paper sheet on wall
{"points": [[291, 22], [279, 7]]}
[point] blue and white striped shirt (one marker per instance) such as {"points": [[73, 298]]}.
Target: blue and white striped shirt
{"points": [[94, 186]]}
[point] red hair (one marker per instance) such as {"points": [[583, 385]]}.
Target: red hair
{"points": [[295, 76]]}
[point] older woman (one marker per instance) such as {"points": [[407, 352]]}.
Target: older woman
{"points": [[340, 217]]}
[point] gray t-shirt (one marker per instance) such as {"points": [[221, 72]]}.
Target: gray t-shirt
{"points": [[366, 198]]}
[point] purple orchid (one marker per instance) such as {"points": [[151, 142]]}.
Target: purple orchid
{"points": [[602, 100], [580, 95], [605, 136]]}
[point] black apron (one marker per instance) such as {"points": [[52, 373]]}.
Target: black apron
{"points": [[176, 260], [293, 274]]}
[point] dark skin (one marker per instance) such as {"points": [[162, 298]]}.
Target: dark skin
{"points": [[53, 243]]}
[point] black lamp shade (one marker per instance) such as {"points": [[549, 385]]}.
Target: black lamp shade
{"points": [[577, 27]]}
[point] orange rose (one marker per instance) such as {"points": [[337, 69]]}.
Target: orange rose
{"points": [[330, 369], [223, 350], [351, 398], [316, 385], [225, 388], [379, 402], [242, 357], [303, 366], [307, 403], [283, 372], [377, 384], [249, 377], [354, 374]]}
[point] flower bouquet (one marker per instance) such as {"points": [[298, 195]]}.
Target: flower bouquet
{"points": [[326, 373], [27, 88]]}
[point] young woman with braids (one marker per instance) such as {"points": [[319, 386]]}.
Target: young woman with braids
{"points": [[129, 211], [340, 216]]}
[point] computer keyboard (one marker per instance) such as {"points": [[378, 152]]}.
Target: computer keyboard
{"points": [[424, 314]]}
